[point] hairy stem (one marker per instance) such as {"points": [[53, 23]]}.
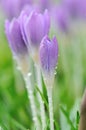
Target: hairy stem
{"points": [[32, 102], [42, 109], [49, 93]]}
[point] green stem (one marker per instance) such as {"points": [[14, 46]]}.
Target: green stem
{"points": [[32, 101], [42, 109], [49, 93]]}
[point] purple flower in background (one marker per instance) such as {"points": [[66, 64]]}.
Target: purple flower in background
{"points": [[12, 8], [76, 8], [82, 8], [72, 7], [48, 54], [14, 37], [62, 18], [36, 26], [44, 4]]}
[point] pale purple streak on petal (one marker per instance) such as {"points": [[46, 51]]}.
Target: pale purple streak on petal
{"points": [[22, 19]]}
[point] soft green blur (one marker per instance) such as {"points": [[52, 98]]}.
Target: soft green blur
{"points": [[70, 81]]}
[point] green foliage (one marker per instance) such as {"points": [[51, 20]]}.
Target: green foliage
{"points": [[70, 80]]}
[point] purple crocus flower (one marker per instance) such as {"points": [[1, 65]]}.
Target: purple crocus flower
{"points": [[62, 18], [48, 55], [36, 26], [72, 7], [12, 8], [82, 8], [14, 37], [23, 18], [76, 8]]}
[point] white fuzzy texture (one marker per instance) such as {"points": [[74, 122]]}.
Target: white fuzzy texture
{"points": [[32, 101], [42, 109], [49, 93]]}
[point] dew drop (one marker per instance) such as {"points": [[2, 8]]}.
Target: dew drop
{"points": [[55, 73], [29, 74]]}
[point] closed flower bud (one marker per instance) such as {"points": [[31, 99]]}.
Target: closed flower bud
{"points": [[23, 18], [16, 42], [48, 56], [14, 37], [36, 27]]}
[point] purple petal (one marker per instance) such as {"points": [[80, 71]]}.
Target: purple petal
{"points": [[14, 37], [48, 54], [36, 27], [34, 22], [22, 20]]}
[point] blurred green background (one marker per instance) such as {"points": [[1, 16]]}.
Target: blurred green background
{"points": [[70, 81]]}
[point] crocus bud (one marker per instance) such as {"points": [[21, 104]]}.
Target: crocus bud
{"points": [[36, 27], [82, 123], [22, 18], [48, 56], [16, 41], [14, 37]]}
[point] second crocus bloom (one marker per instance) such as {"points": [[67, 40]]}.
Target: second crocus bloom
{"points": [[48, 60], [14, 37], [36, 27], [48, 56], [17, 44]]}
